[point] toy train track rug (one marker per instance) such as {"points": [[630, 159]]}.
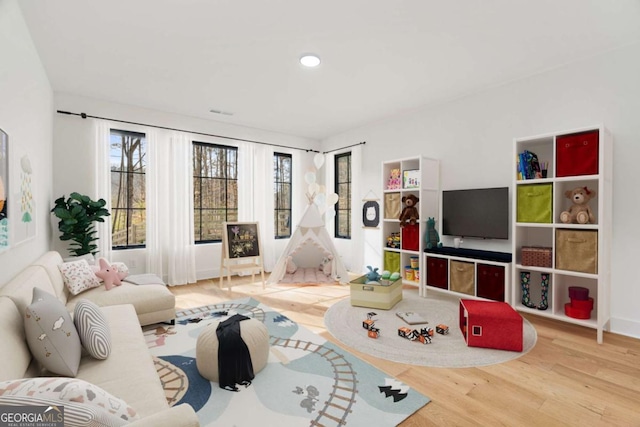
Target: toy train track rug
{"points": [[308, 381]]}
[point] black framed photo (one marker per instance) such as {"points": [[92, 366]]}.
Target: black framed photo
{"points": [[371, 214]]}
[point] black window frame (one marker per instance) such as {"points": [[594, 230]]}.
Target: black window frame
{"points": [[278, 180], [337, 184], [114, 210], [227, 179]]}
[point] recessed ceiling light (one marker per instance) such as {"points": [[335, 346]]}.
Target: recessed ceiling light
{"points": [[310, 60]]}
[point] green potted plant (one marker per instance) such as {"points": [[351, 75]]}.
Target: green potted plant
{"points": [[78, 215]]}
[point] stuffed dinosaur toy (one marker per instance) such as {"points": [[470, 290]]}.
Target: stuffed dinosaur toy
{"points": [[431, 236]]}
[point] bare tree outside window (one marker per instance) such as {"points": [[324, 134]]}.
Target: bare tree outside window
{"points": [[128, 191], [282, 195], [343, 190], [215, 190]]}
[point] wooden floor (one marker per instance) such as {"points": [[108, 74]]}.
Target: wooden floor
{"points": [[566, 379]]}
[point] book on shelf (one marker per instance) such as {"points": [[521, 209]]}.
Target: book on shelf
{"points": [[528, 165]]}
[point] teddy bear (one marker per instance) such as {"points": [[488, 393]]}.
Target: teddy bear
{"points": [[579, 212], [409, 214]]}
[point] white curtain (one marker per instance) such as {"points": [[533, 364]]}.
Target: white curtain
{"points": [[255, 194], [170, 236], [102, 168], [357, 235]]}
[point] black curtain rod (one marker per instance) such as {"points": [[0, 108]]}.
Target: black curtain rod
{"points": [[84, 116], [342, 148]]}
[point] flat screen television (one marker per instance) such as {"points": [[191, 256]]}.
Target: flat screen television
{"points": [[479, 212]]}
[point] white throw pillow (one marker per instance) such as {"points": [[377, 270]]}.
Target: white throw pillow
{"points": [[93, 329], [85, 404], [51, 334], [78, 276]]}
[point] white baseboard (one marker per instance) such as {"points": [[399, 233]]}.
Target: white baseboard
{"points": [[629, 328]]}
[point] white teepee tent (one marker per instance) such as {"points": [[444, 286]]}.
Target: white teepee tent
{"points": [[308, 246]]}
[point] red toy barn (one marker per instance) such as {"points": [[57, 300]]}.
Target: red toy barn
{"points": [[490, 324]]}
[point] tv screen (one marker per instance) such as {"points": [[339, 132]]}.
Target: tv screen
{"points": [[481, 212]]}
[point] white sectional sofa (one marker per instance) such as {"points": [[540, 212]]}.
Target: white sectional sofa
{"points": [[129, 372]]}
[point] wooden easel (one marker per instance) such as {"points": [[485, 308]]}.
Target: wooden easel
{"points": [[241, 250]]}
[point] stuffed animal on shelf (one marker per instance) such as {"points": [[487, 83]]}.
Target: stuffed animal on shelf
{"points": [[431, 236], [409, 214], [579, 212]]}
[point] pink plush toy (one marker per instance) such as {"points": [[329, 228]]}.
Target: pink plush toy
{"points": [[109, 274]]}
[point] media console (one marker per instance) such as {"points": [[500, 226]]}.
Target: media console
{"points": [[468, 272]]}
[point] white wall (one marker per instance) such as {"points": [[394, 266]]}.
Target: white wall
{"points": [[73, 160], [473, 137], [26, 114]]}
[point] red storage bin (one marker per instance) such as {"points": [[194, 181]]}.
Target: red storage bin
{"points": [[438, 272], [577, 154], [491, 282], [410, 237]]}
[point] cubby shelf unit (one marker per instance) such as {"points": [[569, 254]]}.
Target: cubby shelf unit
{"points": [[428, 191], [544, 234]]}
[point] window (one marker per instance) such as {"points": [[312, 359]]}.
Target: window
{"points": [[215, 190], [282, 195], [128, 193], [343, 189]]}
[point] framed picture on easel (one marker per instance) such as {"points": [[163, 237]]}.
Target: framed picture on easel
{"points": [[241, 250], [242, 239]]}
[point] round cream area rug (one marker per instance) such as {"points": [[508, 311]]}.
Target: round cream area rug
{"points": [[445, 351]]}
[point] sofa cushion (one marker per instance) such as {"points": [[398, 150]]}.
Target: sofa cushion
{"points": [[63, 391], [129, 371], [93, 329], [147, 300], [20, 288], [14, 351], [78, 276], [50, 262], [51, 335]]}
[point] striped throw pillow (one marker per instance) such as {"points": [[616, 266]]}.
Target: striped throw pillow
{"points": [[93, 329]]}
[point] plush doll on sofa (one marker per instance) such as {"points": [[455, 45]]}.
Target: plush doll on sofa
{"points": [[409, 214], [579, 212]]}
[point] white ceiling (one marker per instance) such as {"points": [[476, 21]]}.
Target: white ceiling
{"points": [[379, 57]]}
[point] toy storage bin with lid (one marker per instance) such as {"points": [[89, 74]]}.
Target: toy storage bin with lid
{"points": [[536, 256], [577, 154], [577, 250], [534, 203], [462, 277]]}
